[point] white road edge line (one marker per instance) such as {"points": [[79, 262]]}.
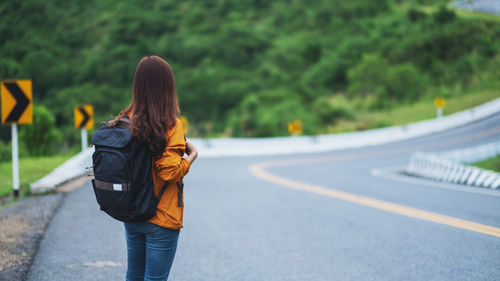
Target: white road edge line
{"points": [[389, 173]]}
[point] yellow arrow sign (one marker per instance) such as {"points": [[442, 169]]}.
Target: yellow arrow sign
{"points": [[84, 117], [439, 102], [295, 127], [17, 105]]}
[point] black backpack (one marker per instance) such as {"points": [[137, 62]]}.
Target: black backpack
{"points": [[123, 183]]}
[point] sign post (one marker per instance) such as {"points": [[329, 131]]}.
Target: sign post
{"points": [[15, 161], [84, 120], [439, 103], [17, 108], [84, 136], [295, 128]]}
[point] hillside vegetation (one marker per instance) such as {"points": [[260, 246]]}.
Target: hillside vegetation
{"points": [[248, 67]]}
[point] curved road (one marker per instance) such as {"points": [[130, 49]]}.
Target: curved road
{"points": [[344, 215]]}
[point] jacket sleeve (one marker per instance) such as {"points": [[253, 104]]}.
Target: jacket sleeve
{"points": [[171, 166]]}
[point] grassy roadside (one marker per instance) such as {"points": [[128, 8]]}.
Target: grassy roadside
{"points": [[478, 15], [414, 112], [30, 170], [432, 8], [492, 164]]}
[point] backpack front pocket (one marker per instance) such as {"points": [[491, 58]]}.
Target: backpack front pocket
{"points": [[110, 165], [113, 196]]}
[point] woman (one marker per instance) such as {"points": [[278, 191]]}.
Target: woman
{"points": [[153, 114]]}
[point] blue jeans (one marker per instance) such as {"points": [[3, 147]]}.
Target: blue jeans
{"points": [[150, 251]]}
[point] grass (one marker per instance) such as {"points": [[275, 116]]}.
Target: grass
{"points": [[30, 170], [418, 111], [477, 15], [492, 164]]}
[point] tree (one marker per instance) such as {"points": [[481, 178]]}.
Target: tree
{"points": [[41, 136]]}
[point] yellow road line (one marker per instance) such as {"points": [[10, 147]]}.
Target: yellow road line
{"points": [[259, 171]]}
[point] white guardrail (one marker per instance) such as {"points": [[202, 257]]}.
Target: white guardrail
{"points": [[76, 166], [309, 144], [448, 167], [227, 147]]}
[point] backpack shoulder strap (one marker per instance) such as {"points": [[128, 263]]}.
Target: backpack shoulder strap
{"points": [[180, 186], [123, 122], [162, 190]]}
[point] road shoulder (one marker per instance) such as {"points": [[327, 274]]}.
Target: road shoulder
{"points": [[22, 227]]}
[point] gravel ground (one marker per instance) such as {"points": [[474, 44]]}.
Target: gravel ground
{"points": [[22, 226]]}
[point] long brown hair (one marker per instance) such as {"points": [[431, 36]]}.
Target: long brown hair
{"points": [[154, 106]]}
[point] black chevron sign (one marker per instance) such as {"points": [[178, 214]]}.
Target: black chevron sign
{"points": [[86, 117], [13, 110]]}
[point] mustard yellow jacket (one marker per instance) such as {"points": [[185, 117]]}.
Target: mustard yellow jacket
{"points": [[170, 167]]}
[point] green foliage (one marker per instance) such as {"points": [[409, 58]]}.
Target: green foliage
{"points": [[5, 151], [41, 137], [368, 77], [444, 15], [228, 55], [416, 15], [326, 75], [330, 110], [404, 82], [492, 164], [268, 114], [387, 84]]}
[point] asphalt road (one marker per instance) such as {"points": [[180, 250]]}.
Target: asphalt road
{"points": [[240, 225]]}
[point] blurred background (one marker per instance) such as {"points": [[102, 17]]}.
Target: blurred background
{"points": [[246, 68]]}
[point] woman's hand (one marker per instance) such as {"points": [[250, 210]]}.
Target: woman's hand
{"points": [[191, 151]]}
